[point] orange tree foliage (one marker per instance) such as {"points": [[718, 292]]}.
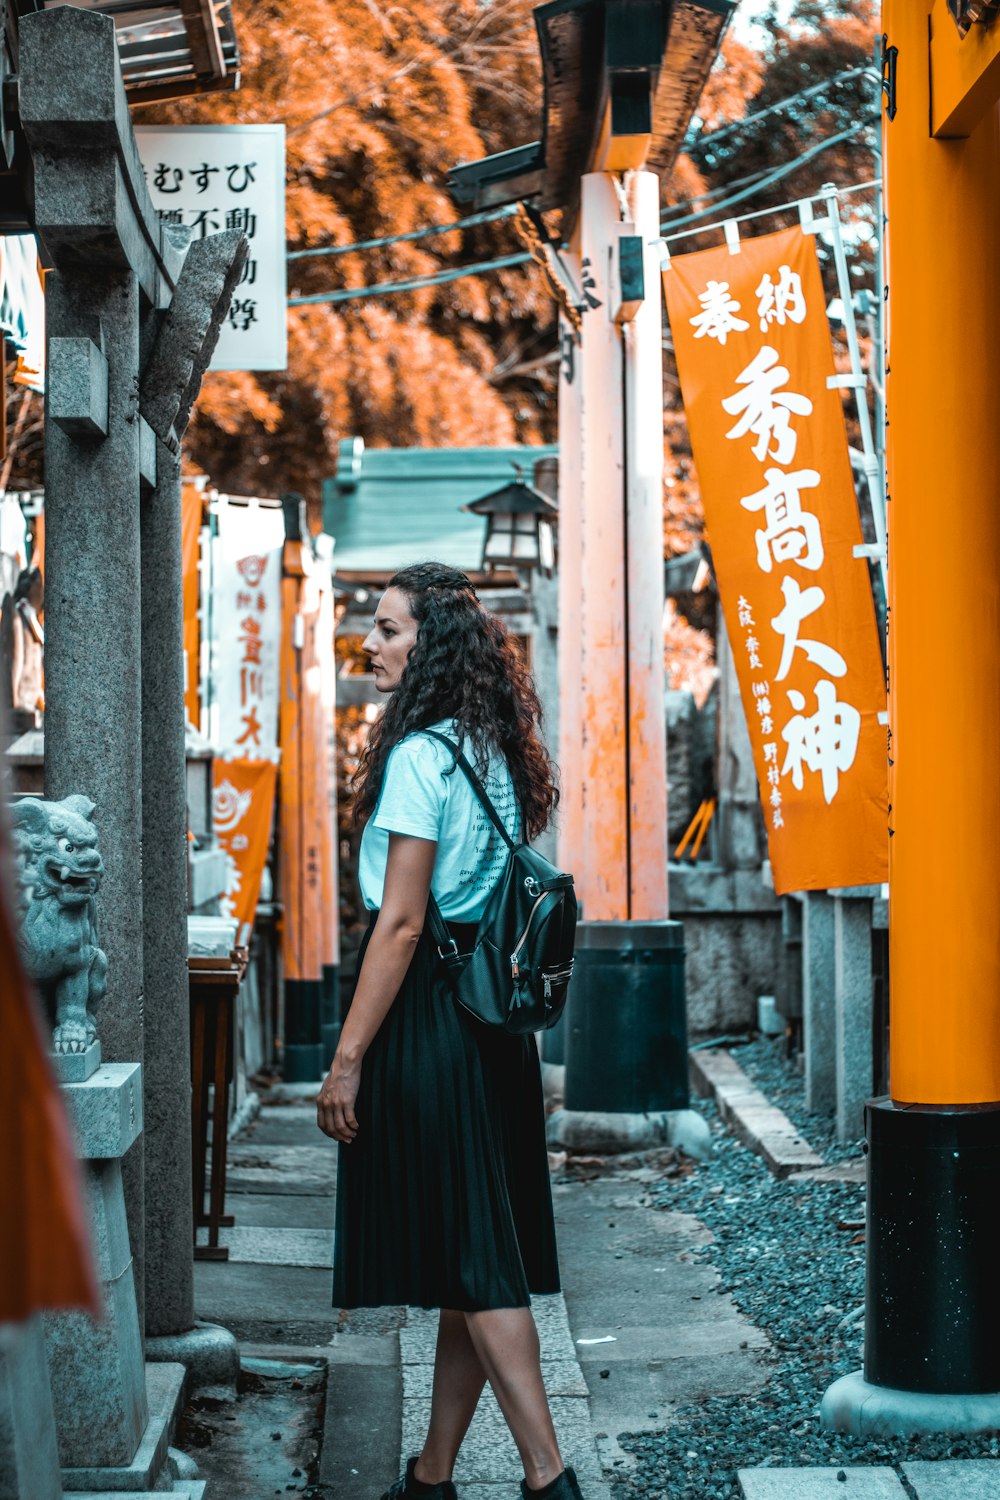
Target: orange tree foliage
{"points": [[380, 101]]}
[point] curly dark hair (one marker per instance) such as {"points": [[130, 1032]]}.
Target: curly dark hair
{"points": [[464, 666]]}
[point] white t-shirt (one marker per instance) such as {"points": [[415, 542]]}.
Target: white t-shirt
{"points": [[421, 798]]}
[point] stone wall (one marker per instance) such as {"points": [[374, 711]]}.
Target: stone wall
{"points": [[734, 942]]}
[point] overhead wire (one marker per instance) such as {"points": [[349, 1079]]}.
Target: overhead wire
{"points": [[508, 210], [486, 217], [762, 213], [673, 228], [709, 138], [667, 228], [386, 288]]}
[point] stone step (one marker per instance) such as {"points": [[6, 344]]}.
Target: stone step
{"points": [[760, 1125], [185, 1489], [847, 1483], [955, 1479], [164, 1393]]}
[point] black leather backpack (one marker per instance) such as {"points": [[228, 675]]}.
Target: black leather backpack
{"points": [[517, 975]]}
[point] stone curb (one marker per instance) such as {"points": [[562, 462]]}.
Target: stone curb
{"points": [[760, 1125]]}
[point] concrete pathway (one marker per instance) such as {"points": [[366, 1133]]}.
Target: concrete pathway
{"points": [[642, 1328], [640, 1325]]}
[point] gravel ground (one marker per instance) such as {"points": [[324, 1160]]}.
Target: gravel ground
{"points": [[791, 1256], [781, 1080]]}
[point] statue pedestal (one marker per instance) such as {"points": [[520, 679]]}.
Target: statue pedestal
{"points": [[29, 1463], [113, 1415]]}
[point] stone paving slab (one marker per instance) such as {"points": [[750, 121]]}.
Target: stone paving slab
{"points": [[855, 1172], [417, 1341], [255, 1246], [317, 1164], [488, 1454], [563, 1377], [955, 1479], [595, 1490], [260, 1209], [183, 1489], [760, 1125], [848, 1483]]}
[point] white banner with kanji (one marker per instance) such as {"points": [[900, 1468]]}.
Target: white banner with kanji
{"points": [[246, 629]]}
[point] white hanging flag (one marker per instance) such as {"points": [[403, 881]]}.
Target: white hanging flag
{"points": [[246, 629]]}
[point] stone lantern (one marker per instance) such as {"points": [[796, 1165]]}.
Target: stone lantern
{"points": [[519, 527]]}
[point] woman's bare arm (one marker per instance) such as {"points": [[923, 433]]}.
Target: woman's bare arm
{"points": [[397, 931]]}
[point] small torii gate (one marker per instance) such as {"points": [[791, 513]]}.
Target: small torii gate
{"points": [[932, 1340]]}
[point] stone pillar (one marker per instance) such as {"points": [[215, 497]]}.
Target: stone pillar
{"points": [[818, 1016], [169, 1225], [93, 736], [852, 948], [29, 1459]]}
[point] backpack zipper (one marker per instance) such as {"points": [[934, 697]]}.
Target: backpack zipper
{"points": [[515, 967], [548, 980]]}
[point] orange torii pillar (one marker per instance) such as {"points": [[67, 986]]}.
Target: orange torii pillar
{"points": [[301, 804], [932, 1335], [626, 1042]]}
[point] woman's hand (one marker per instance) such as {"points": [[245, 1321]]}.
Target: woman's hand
{"points": [[335, 1106]]}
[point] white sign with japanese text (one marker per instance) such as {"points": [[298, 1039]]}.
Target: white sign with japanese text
{"points": [[215, 177], [246, 629]]}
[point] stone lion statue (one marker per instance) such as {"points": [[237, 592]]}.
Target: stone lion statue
{"points": [[59, 871]]}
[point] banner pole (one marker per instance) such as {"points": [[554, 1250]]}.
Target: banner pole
{"points": [[872, 470]]}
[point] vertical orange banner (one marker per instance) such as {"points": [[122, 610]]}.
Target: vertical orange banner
{"points": [[190, 540], [242, 804], [767, 431]]}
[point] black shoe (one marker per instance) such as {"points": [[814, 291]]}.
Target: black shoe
{"points": [[566, 1487], [411, 1488]]}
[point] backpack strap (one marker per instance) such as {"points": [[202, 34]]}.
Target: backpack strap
{"points": [[444, 942], [477, 786]]}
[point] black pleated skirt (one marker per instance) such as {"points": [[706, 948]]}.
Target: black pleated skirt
{"points": [[443, 1197]]}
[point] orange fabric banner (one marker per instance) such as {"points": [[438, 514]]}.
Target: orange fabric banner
{"points": [[190, 540], [242, 804], [754, 355]]}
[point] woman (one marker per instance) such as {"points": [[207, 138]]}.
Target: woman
{"points": [[443, 1196]]}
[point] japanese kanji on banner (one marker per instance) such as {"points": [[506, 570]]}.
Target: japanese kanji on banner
{"points": [[242, 805], [246, 619], [754, 356]]}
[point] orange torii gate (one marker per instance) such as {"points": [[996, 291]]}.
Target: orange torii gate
{"points": [[932, 1344]]}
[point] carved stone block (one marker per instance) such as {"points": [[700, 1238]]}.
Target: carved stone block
{"points": [[189, 333], [78, 387]]}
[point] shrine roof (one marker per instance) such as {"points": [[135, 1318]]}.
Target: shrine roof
{"points": [[386, 507]]}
